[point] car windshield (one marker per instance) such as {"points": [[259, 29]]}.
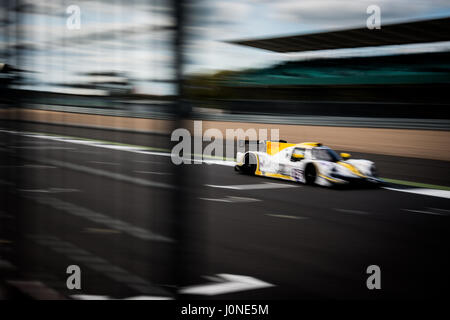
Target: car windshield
{"points": [[325, 154]]}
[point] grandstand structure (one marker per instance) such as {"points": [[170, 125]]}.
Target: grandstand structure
{"points": [[413, 85]]}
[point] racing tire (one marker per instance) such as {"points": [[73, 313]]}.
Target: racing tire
{"points": [[249, 166], [310, 174]]}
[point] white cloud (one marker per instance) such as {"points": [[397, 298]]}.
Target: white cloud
{"points": [[339, 13], [116, 35]]}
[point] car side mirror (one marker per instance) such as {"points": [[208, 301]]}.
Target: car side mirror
{"points": [[297, 157], [345, 156]]}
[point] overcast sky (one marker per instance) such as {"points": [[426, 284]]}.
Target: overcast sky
{"points": [[134, 36]]}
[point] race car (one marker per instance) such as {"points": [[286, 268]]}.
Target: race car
{"points": [[308, 163]]}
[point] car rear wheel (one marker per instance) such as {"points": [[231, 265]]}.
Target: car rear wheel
{"points": [[249, 166], [310, 174]]}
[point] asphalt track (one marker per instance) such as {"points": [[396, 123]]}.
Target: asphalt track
{"points": [[112, 213]]}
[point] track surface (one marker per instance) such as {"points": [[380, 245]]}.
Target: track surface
{"points": [[111, 213]]}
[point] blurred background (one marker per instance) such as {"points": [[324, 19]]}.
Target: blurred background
{"points": [[90, 92]]}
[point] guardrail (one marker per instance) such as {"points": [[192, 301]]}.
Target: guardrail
{"points": [[361, 122]]}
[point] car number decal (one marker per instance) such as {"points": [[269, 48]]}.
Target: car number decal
{"points": [[297, 174]]}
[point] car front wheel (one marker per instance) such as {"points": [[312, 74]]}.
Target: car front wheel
{"points": [[310, 174]]}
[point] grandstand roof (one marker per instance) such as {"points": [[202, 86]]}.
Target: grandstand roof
{"points": [[394, 34]]}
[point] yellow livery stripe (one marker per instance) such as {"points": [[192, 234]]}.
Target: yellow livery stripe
{"points": [[328, 178], [351, 168], [275, 147], [276, 175]]}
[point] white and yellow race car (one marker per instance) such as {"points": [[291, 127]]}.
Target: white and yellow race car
{"points": [[308, 162]]}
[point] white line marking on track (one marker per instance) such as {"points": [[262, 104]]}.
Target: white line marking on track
{"points": [[149, 161], [442, 210], [89, 297], [351, 211], [88, 214], [423, 191], [50, 190], [98, 297], [39, 166], [148, 298], [153, 172], [425, 212], [283, 216], [230, 283], [29, 166], [99, 264], [101, 231], [100, 144], [259, 186], [108, 174], [220, 162], [105, 162], [42, 148], [230, 199]]}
